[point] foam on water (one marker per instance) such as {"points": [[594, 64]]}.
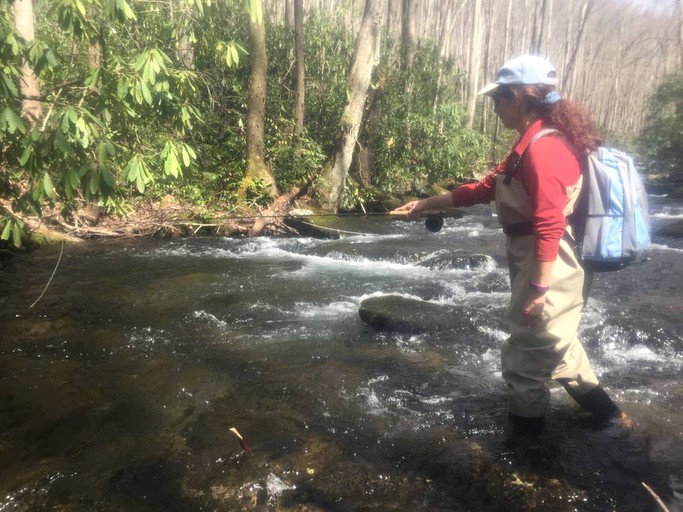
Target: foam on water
{"points": [[332, 310], [663, 247], [209, 318]]}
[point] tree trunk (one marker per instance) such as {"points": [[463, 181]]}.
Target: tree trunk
{"points": [[585, 12], [541, 27], [394, 18], [184, 47], [300, 69], [447, 19], [508, 33], [29, 85], [409, 34], [333, 178], [257, 170], [487, 58], [290, 13], [370, 132], [525, 26], [474, 63], [679, 59]]}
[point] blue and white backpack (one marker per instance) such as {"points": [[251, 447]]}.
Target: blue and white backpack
{"points": [[611, 217], [611, 221]]}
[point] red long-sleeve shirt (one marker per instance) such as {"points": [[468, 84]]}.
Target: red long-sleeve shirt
{"points": [[549, 167]]}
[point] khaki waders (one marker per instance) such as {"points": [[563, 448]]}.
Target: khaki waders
{"points": [[532, 356]]}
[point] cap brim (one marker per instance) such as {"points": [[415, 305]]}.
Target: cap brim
{"points": [[489, 88]]}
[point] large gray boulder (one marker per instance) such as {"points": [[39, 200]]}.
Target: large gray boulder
{"points": [[411, 316]]}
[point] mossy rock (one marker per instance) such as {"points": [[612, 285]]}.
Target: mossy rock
{"points": [[42, 236]]}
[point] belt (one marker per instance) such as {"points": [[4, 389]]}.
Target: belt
{"points": [[519, 229]]}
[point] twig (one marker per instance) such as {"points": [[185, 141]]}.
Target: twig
{"points": [[53, 275], [656, 498]]}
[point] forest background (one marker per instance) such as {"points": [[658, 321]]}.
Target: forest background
{"points": [[219, 107]]}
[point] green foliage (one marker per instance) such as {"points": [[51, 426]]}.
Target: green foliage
{"points": [[295, 160], [12, 229], [421, 144], [126, 116], [121, 108], [661, 141]]}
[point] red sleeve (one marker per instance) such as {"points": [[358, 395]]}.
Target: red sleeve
{"points": [[550, 167], [483, 191]]}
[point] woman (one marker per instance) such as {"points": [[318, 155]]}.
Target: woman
{"points": [[535, 189]]}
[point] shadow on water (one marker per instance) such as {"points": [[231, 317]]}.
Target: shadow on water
{"points": [[117, 391]]}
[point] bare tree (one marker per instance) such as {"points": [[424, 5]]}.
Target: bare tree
{"points": [[474, 62], [333, 178], [569, 69], [29, 85]]}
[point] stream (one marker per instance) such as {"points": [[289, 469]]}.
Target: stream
{"points": [[119, 387]]}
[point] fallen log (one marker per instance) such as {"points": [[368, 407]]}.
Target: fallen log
{"points": [[277, 209]]}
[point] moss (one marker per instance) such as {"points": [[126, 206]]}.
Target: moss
{"points": [[42, 236]]}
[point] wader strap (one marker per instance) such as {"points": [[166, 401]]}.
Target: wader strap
{"points": [[513, 163]]}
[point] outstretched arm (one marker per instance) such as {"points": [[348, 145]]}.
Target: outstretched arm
{"points": [[413, 209]]}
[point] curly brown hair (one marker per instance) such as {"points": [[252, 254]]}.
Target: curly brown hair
{"points": [[564, 115]]}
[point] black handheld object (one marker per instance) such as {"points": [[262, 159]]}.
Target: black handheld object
{"points": [[434, 223]]}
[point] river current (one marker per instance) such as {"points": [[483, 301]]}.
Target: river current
{"points": [[119, 388]]}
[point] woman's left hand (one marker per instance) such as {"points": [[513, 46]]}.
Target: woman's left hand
{"points": [[533, 309]]}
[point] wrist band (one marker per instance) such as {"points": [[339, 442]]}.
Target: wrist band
{"points": [[538, 288]]}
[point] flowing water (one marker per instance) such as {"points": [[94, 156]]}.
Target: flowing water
{"points": [[119, 387]]}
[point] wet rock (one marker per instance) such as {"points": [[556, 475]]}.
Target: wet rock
{"points": [[453, 260], [401, 314], [494, 282], [675, 229]]}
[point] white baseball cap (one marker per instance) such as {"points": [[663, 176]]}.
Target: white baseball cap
{"points": [[526, 70]]}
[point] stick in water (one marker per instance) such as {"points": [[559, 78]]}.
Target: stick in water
{"points": [[241, 440], [656, 498]]}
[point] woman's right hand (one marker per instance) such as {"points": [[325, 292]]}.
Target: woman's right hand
{"points": [[411, 209]]}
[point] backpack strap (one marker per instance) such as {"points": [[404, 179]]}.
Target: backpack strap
{"points": [[511, 167]]}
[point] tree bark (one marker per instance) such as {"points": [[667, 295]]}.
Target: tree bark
{"points": [[29, 85], [679, 59], [448, 16], [541, 27], [487, 58], [409, 34], [394, 17], [370, 132], [290, 13], [184, 47], [256, 109], [333, 178], [300, 69], [474, 63], [585, 12]]}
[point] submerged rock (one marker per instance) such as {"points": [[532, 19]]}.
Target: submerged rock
{"points": [[675, 229], [412, 316], [453, 260]]}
